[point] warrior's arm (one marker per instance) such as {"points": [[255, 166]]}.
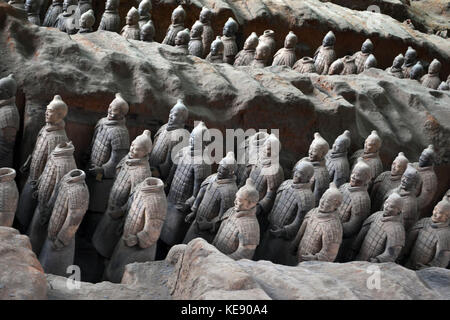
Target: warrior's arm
{"points": [[356, 245], [441, 258], [329, 249], [291, 229], [352, 226], [411, 239], [151, 231], [109, 168], [299, 236], [390, 254]]}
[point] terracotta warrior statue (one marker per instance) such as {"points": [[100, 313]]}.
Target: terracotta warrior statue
{"points": [[178, 17], [396, 68], [228, 38], [286, 56], [355, 207], [429, 240], [431, 79], [293, 201], [69, 202], [305, 65], [428, 184], [371, 62], [83, 7], [387, 181], [216, 53], [189, 170], [252, 148], [66, 20], [110, 143], [110, 19], [147, 32], [9, 120], [267, 176], [216, 195], [48, 138], [410, 61], [262, 56], [320, 234], [407, 190], [370, 154], [417, 71], [208, 33], [247, 54], [55, 9], [321, 179], [238, 235], [345, 65], [268, 38], [131, 170], [9, 196], [195, 42], [382, 236], [336, 159], [60, 162], [444, 86], [361, 56], [325, 54], [87, 21], [32, 8], [144, 12], [18, 4], [131, 29], [182, 41], [166, 138], [142, 228]]}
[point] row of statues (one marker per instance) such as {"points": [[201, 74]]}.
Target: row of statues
{"points": [[137, 199], [257, 52]]}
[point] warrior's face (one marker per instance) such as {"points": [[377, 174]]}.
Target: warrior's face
{"points": [[407, 182], [110, 5], [370, 145], [440, 214], [114, 112], [223, 172], [52, 114], [204, 17], [391, 208], [357, 178], [176, 117], [425, 159], [327, 204], [228, 30], [338, 146], [315, 153], [242, 203], [398, 167], [137, 150], [299, 177]]}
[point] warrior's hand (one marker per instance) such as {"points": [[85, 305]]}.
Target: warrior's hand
{"points": [[131, 240], [190, 217], [278, 232], [309, 257], [95, 170], [58, 245]]}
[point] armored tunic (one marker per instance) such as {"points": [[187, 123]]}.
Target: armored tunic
{"points": [[410, 211], [360, 60], [320, 180], [374, 162], [395, 72], [110, 21], [143, 20], [431, 80], [427, 188], [48, 138], [66, 23], [52, 14], [215, 197], [131, 32], [384, 238], [284, 57], [349, 66], [382, 187], [244, 57], [70, 204], [321, 235], [406, 68], [238, 228], [131, 172], [230, 49], [161, 155], [9, 197], [207, 37], [355, 208], [172, 33], [305, 65], [110, 136], [323, 58], [338, 167], [9, 125], [431, 245], [196, 47]]}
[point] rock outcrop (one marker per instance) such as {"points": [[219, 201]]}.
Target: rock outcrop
{"points": [[21, 275]]}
